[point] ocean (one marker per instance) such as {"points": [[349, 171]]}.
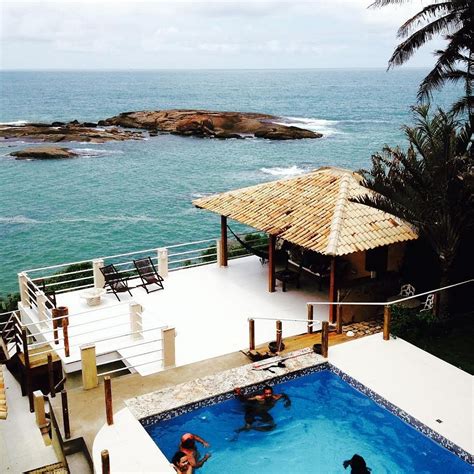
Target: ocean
{"points": [[125, 196]]}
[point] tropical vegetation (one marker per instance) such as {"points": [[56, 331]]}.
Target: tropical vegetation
{"points": [[454, 21]]}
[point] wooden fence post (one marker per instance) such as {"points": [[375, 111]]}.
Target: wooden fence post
{"points": [[278, 335], [105, 461], [168, 337], [163, 262], [89, 367], [310, 312], [65, 407], [26, 355], [65, 336], [387, 314], [339, 319], [52, 390], [251, 334], [108, 400], [325, 339]]}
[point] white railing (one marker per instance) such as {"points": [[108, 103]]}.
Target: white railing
{"points": [[167, 259]]}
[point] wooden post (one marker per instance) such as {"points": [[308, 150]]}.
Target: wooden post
{"points": [[339, 319], [39, 409], [26, 355], [105, 461], [89, 367], [223, 243], [325, 339], [271, 263], [310, 311], [108, 400], [387, 314], [163, 262], [41, 304], [52, 390], [251, 334], [99, 280], [169, 352], [65, 336], [278, 335], [332, 291], [135, 311], [57, 313], [67, 428]]}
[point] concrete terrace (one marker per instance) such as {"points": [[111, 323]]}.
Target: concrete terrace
{"points": [[208, 305]]}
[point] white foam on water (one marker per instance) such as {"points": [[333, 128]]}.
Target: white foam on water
{"points": [[18, 220], [95, 152], [278, 171], [15, 122], [326, 127], [200, 195], [94, 220]]}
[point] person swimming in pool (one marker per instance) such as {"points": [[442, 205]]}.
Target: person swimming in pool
{"points": [[257, 408], [188, 447], [181, 464], [357, 464]]}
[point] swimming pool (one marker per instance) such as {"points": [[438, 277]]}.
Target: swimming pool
{"points": [[328, 422]]}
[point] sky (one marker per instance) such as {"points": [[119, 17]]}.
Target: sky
{"points": [[246, 34]]}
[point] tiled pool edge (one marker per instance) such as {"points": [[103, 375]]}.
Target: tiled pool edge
{"points": [[403, 415], [398, 412]]}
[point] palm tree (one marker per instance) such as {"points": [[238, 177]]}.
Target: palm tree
{"points": [[454, 20], [430, 185]]}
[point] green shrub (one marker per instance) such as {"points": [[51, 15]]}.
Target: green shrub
{"points": [[409, 324]]}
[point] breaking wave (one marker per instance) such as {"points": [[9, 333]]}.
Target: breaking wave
{"points": [[15, 122], [278, 171], [95, 152], [326, 127]]}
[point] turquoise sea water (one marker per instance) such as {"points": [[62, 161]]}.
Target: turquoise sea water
{"points": [[328, 422], [119, 197]]}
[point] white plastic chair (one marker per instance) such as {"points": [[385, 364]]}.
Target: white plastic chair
{"points": [[428, 305], [407, 290]]}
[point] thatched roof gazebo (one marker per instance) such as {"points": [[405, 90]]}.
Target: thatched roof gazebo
{"points": [[313, 211]]}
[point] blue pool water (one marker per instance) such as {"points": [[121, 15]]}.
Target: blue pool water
{"points": [[328, 422]]}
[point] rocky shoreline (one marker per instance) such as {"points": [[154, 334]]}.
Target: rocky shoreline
{"points": [[188, 123]]}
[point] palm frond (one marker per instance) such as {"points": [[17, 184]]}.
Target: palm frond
{"points": [[428, 13]]}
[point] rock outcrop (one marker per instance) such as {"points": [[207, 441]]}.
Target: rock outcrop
{"points": [[44, 153], [66, 132], [202, 123]]}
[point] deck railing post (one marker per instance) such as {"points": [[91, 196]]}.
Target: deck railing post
{"points": [[99, 280], [310, 311], [41, 303], [278, 335], [136, 320], [223, 243], [26, 356], [108, 400], [163, 262], [324, 339], [168, 337], [52, 390], [219, 252], [65, 408], [339, 319], [387, 314], [89, 367], [22, 284], [251, 334], [65, 322], [105, 459], [39, 409]]}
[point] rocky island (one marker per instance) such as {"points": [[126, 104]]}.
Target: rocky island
{"points": [[209, 124], [44, 153]]}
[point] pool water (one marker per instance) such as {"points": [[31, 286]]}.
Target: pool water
{"points": [[328, 422]]}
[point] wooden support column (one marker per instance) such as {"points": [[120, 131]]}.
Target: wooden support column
{"points": [[67, 428], [310, 310], [105, 461], [271, 263], [39, 409], [223, 242], [332, 291], [168, 337], [387, 314], [108, 400], [65, 323], [279, 336], [339, 319], [324, 339], [89, 366], [26, 356], [52, 390], [251, 334]]}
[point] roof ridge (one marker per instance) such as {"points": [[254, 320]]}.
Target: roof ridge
{"points": [[338, 215]]}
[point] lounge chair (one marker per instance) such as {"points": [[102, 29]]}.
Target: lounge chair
{"points": [[148, 274], [288, 275], [114, 281]]}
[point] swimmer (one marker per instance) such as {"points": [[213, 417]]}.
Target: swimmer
{"points": [[358, 465], [258, 406], [181, 464], [188, 447]]}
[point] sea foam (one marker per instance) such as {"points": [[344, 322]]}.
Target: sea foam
{"points": [[326, 127], [278, 171]]}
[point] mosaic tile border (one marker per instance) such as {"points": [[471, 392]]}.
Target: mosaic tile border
{"points": [[169, 414], [403, 415]]}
